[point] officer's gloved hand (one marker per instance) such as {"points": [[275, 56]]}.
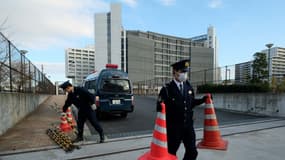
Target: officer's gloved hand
{"points": [[94, 107], [205, 98], [211, 97]]}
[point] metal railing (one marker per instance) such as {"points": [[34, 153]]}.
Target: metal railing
{"points": [[18, 74]]}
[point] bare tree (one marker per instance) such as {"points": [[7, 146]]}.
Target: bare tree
{"points": [[4, 57]]}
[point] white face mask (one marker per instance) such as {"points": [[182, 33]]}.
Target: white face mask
{"points": [[182, 77]]}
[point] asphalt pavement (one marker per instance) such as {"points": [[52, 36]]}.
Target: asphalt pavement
{"points": [[250, 136]]}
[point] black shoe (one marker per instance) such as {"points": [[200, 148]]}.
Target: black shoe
{"points": [[102, 138], [78, 139]]}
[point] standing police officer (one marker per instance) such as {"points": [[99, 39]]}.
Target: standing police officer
{"points": [[178, 96], [83, 100]]}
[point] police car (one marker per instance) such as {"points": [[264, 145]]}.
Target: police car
{"points": [[112, 90]]}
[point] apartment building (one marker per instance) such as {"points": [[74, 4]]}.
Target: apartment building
{"points": [[276, 61], [79, 62]]}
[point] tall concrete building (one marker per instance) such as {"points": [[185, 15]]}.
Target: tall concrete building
{"points": [[79, 62], [276, 62], [108, 30], [210, 40], [149, 56]]}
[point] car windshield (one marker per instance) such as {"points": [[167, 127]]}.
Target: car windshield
{"points": [[115, 85]]}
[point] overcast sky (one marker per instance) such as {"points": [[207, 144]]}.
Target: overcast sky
{"points": [[47, 27]]}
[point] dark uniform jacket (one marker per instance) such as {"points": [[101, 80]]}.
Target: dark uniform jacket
{"points": [[179, 108], [81, 98]]}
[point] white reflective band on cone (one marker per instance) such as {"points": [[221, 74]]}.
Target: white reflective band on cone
{"points": [[160, 129], [159, 143], [160, 115], [209, 106], [211, 128], [210, 116]]}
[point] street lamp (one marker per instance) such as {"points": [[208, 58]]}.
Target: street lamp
{"points": [[24, 51], [226, 81], [269, 45]]}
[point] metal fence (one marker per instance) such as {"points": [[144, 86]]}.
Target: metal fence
{"points": [[18, 74], [240, 74], [222, 75]]}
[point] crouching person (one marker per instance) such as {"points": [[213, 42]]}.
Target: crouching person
{"points": [[83, 100]]}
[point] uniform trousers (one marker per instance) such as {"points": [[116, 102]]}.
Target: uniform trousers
{"points": [[186, 135], [90, 114]]}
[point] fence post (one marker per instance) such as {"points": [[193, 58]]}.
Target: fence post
{"points": [[205, 74], [10, 64], [22, 73], [30, 77], [226, 75]]}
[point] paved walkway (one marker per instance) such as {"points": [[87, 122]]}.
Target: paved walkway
{"points": [[256, 141], [31, 131], [259, 145]]}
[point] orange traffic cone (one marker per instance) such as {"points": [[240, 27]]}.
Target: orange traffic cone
{"points": [[158, 148], [64, 126], [70, 118], [212, 137]]}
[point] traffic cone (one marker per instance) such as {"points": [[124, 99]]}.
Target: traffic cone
{"points": [[64, 126], [70, 118], [212, 138], [158, 147]]}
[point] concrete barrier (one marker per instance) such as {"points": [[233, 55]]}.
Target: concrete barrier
{"points": [[257, 103], [15, 106], [253, 103]]}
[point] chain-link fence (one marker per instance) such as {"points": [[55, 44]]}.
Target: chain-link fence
{"points": [[18, 74]]}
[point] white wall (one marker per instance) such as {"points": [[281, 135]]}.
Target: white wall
{"points": [[260, 103], [15, 106]]}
